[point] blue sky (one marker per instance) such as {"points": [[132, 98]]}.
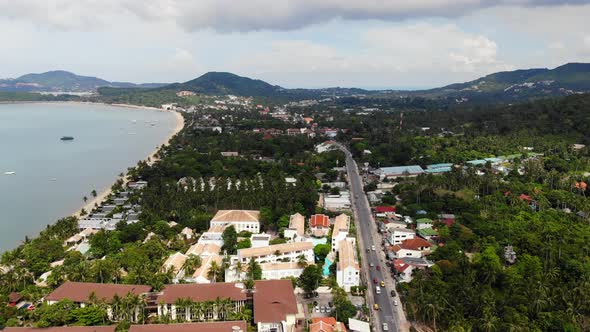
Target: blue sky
{"points": [[293, 43]]}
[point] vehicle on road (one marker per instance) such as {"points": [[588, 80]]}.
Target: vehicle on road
{"points": [[368, 249], [375, 281], [385, 327], [382, 283], [371, 264], [395, 302], [376, 306], [378, 290], [392, 293], [373, 248], [378, 268]]}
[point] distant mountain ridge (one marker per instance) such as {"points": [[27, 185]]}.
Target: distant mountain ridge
{"points": [[521, 84], [63, 81]]}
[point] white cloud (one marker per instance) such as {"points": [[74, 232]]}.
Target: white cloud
{"points": [[246, 15], [402, 56]]}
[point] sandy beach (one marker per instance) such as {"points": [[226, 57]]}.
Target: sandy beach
{"points": [[150, 159]]}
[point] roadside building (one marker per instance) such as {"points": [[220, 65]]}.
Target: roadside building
{"points": [[340, 231], [347, 269], [399, 171], [275, 306], [319, 224], [398, 235], [424, 223]]}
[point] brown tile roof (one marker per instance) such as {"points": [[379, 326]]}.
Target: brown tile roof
{"points": [[236, 215], [231, 326], [203, 270], [319, 220], [273, 301], [201, 248], [80, 291], [415, 244], [201, 292], [270, 250], [326, 324], [63, 329]]}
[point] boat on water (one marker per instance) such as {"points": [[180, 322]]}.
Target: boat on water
{"points": [[9, 173], [67, 138]]}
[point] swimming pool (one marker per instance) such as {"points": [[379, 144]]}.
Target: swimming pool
{"points": [[326, 267]]}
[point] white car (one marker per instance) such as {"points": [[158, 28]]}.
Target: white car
{"points": [[395, 302], [385, 328], [373, 248]]}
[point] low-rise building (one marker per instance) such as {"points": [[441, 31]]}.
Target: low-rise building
{"points": [[260, 240], [319, 224], [423, 223], [242, 220], [404, 267], [347, 269], [296, 230], [398, 235], [175, 264], [275, 306], [277, 271], [340, 231], [286, 252], [326, 324], [338, 202]]}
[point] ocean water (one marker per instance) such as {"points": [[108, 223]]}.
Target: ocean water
{"points": [[52, 176]]}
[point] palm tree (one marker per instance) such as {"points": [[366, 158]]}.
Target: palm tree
{"points": [[181, 305], [214, 271], [208, 307], [196, 311], [228, 308], [301, 261], [238, 270], [85, 199]]}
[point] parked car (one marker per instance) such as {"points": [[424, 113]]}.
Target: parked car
{"points": [[376, 306], [322, 309], [378, 268], [317, 309], [395, 302], [392, 293]]}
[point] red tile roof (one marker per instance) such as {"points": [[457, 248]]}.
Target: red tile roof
{"points": [[384, 209], [14, 297], [201, 292], [326, 324], [273, 301], [319, 220], [400, 265], [231, 326], [415, 244], [63, 329], [81, 291]]}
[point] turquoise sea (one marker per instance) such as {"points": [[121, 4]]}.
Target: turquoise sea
{"points": [[52, 176]]}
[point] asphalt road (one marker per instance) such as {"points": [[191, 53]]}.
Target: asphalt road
{"points": [[369, 237]]}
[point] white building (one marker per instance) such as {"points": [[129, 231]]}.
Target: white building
{"points": [[242, 220], [286, 252], [347, 269], [277, 271], [260, 240], [175, 263], [337, 202], [201, 275], [296, 230], [108, 224], [340, 231], [213, 236], [399, 235]]}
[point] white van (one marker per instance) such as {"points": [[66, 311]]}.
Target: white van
{"points": [[377, 289]]}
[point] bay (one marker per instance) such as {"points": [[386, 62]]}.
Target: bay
{"points": [[52, 176]]}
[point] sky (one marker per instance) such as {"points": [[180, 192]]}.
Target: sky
{"points": [[400, 44]]}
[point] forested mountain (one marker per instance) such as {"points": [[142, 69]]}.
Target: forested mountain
{"points": [[517, 85], [62, 81]]}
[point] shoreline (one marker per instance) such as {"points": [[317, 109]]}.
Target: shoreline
{"points": [[104, 193], [101, 196]]}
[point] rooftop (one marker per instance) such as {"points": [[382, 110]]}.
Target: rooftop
{"points": [[282, 248], [273, 301], [236, 216], [201, 292], [319, 220], [81, 291], [346, 255], [400, 170], [297, 222], [200, 248], [341, 224], [230, 326], [174, 261]]}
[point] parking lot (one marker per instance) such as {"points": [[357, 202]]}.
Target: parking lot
{"points": [[318, 306]]}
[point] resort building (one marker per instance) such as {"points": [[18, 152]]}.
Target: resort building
{"points": [[201, 274], [81, 293], [108, 224], [242, 220], [260, 240], [296, 230], [275, 306], [340, 231], [203, 249], [286, 252], [229, 326], [319, 225], [175, 263], [347, 269], [213, 236], [277, 271]]}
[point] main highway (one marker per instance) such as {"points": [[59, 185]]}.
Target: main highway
{"points": [[368, 237]]}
